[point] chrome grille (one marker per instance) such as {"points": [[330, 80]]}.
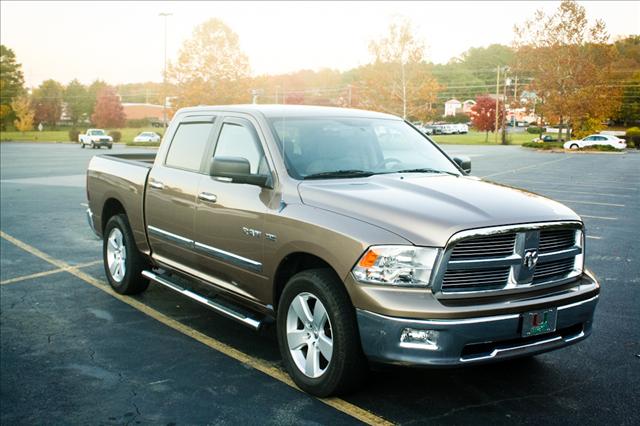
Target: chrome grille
{"points": [[554, 240], [491, 246], [547, 270], [479, 279], [509, 258]]}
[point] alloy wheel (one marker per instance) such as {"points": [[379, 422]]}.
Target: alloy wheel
{"points": [[309, 335], [116, 255]]}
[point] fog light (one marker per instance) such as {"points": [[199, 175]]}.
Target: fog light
{"points": [[419, 339]]}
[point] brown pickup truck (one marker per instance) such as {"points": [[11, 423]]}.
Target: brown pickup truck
{"points": [[352, 232]]}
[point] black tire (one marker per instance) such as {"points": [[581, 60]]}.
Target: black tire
{"points": [[82, 145], [109, 146], [574, 146], [348, 365], [132, 282]]}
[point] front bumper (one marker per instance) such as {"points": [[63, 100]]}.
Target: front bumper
{"points": [[470, 340]]}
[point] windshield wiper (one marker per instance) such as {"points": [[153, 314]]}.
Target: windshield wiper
{"points": [[340, 174], [424, 170]]}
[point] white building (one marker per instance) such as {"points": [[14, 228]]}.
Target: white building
{"points": [[452, 107]]}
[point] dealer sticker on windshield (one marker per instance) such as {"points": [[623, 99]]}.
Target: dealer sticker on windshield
{"points": [[539, 322]]}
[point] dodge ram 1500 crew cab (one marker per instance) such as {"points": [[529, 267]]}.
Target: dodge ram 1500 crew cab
{"points": [[352, 232]]}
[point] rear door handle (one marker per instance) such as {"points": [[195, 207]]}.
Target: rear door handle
{"points": [[207, 196], [156, 184]]}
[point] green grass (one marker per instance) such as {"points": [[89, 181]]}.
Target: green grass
{"points": [[63, 135], [144, 144], [478, 138], [543, 145]]}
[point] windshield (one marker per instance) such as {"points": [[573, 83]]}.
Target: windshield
{"points": [[351, 147], [97, 133]]}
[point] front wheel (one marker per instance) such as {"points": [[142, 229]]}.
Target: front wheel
{"points": [[123, 263], [82, 145], [574, 146], [318, 334]]}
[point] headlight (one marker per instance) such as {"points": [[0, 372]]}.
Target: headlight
{"points": [[396, 265]]}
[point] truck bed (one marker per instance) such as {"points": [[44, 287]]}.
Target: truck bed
{"points": [[120, 177], [144, 159]]}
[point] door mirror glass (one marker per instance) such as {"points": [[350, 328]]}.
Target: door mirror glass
{"points": [[464, 162]]}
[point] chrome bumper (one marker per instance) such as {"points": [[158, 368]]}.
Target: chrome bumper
{"points": [[470, 340], [91, 224]]}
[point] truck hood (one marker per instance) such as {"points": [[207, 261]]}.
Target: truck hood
{"points": [[428, 209]]}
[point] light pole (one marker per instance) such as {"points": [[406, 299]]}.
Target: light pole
{"points": [[165, 15]]}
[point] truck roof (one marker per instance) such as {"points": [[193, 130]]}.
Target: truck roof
{"points": [[279, 110]]}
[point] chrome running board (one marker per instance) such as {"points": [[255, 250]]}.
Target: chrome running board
{"points": [[223, 309]]}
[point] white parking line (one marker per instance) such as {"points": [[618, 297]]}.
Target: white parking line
{"points": [[528, 167], [585, 193], [595, 203], [567, 184], [593, 237], [598, 217]]}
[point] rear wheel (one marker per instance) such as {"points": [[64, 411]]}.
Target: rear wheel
{"points": [[318, 334], [123, 263], [92, 145]]}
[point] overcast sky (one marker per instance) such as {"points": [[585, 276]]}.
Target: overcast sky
{"points": [[122, 42]]}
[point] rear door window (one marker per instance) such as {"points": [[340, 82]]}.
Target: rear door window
{"points": [[188, 146]]}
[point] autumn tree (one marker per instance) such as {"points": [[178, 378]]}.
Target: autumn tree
{"points": [[11, 83], [108, 112], [398, 80], [570, 63], [211, 68], [78, 103], [47, 102], [483, 115], [93, 91], [21, 107]]}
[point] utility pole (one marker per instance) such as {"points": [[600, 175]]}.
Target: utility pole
{"points": [[507, 82], [349, 96], [165, 15], [515, 90], [495, 130]]}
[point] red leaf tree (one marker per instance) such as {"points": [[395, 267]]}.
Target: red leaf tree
{"points": [[108, 112], [483, 115]]}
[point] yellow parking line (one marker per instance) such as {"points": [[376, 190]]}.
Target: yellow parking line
{"points": [[256, 363], [45, 273]]}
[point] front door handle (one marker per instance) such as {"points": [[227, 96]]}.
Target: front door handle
{"points": [[207, 196], [156, 184]]}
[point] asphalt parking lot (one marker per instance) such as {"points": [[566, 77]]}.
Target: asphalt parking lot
{"points": [[72, 352]]}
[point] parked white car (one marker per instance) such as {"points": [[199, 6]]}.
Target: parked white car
{"points": [[147, 137], [461, 128], [95, 138], [591, 140]]}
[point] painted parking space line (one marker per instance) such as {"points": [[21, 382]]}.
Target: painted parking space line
{"points": [[46, 273], [593, 237], [263, 366], [528, 167], [602, 194], [595, 203], [514, 181], [598, 217]]}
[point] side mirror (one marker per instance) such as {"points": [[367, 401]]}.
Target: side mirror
{"points": [[464, 163], [236, 170]]}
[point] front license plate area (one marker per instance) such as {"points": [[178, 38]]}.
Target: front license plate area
{"points": [[539, 322]]}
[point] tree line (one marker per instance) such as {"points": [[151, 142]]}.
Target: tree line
{"points": [[574, 75]]}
